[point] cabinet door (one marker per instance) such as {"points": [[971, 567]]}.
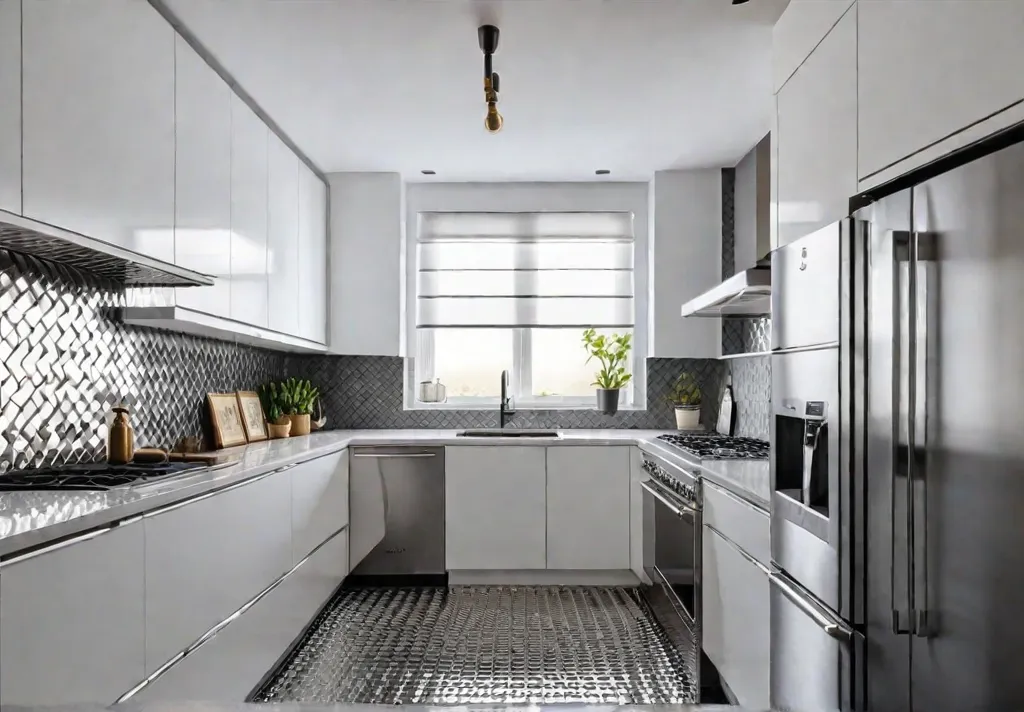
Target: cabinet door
{"points": [[10, 108], [817, 135], [495, 514], [736, 605], [98, 121], [202, 179], [588, 507], [71, 623], [206, 559], [930, 68], [312, 256], [319, 502], [228, 667], [249, 138], [283, 238]]}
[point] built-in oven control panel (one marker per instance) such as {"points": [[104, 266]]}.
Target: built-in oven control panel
{"points": [[684, 484]]}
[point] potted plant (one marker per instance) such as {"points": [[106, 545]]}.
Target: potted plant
{"points": [[279, 425], [613, 353], [685, 396], [297, 400]]}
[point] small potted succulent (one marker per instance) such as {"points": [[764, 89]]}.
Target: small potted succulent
{"points": [[279, 425], [613, 354], [685, 397], [297, 399]]}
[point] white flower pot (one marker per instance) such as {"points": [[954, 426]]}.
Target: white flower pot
{"points": [[687, 417]]}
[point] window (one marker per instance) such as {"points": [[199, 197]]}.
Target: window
{"points": [[497, 291]]}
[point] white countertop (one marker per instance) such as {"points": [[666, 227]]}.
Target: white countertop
{"points": [[31, 519]]}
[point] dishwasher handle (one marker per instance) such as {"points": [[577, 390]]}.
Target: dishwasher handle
{"points": [[393, 456]]}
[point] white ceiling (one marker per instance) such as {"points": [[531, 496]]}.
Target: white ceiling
{"points": [[634, 86]]}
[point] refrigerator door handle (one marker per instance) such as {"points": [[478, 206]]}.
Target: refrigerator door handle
{"points": [[901, 565], [832, 627]]}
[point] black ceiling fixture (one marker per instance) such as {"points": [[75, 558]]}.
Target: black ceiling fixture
{"points": [[602, 172], [428, 172], [739, 2], [488, 36]]}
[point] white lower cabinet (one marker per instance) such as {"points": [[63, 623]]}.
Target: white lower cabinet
{"points": [[207, 558], [736, 610], [72, 622], [10, 111], [233, 662], [588, 507], [495, 511], [319, 502]]}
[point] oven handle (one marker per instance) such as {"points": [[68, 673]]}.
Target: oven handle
{"points": [[680, 510], [830, 626]]}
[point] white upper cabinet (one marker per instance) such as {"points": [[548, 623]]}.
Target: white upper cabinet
{"points": [[249, 139], [283, 236], [312, 268], [817, 135], [98, 121], [798, 31], [202, 205], [495, 511], [588, 508], [10, 111], [931, 68], [71, 623]]}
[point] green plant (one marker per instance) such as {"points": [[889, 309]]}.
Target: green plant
{"points": [[297, 397], [613, 352], [685, 392], [270, 398]]}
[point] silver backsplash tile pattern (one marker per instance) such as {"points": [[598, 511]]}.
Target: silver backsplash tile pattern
{"points": [[367, 392], [751, 378], [65, 360]]}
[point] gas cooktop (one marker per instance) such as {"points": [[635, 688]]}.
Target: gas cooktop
{"points": [[714, 446], [95, 476]]}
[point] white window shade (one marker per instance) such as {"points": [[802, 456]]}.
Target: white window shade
{"points": [[520, 270]]}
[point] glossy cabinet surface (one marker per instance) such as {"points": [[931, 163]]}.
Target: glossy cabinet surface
{"points": [[798, 31], [736, 603], [10, 111], [312, 267], [72, 622], [207, 558], [588, 510], [928, 70], [249, 215], [98, 121], [228, 667], [283, 237], [319, 502], [495, 511], [817, 135], [202, 177]]}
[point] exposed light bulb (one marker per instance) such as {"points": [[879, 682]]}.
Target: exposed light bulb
{"points": [[493, 120]]}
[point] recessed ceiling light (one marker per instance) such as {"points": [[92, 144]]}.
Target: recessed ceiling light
{"points": [[428, 172], [602, 172]]}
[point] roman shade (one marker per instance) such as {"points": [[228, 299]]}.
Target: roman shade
{"points": [[524, 270]]}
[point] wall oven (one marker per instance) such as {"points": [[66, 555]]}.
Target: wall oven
{"points": [[672, 553]]}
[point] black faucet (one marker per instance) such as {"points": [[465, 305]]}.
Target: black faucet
{"points": [[503, 407]]}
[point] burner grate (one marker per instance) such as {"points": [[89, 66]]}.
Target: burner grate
{"points": [[713, 446]]}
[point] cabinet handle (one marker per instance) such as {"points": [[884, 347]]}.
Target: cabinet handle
{"points": [[832, 628], [718, 489], [389, 456], [739, 550]]}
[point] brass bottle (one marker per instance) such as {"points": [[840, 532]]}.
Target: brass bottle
{"points": [[120, 439]]}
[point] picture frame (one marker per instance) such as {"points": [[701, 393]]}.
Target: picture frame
{"points": [[226, 419], [254, 421]]}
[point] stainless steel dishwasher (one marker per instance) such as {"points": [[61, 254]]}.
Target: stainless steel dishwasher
{"points": [[397, 513]]}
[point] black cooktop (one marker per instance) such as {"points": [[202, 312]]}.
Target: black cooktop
{"points": [[98, 476], [714, 446]]}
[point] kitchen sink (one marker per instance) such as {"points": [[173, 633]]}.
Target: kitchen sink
{"points": [[507, 433]]}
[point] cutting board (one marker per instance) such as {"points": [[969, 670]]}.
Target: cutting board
{"points": [[208, 458], [726, 413]]}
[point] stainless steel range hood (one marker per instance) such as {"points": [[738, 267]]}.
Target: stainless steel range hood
{"points": [[101, 259], [747, 294]]}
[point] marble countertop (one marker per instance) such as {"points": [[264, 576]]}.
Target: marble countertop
{"points": [[33, 519]]}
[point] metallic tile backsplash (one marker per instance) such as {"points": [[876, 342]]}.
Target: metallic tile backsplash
{"points": [[367, 392], [65, 361]]}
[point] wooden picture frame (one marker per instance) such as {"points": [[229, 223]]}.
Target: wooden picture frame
{"points": [[226, 419], [254, 421]]}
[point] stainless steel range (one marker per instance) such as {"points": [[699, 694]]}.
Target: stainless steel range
{"points": [[95, 477], [714, 446]]}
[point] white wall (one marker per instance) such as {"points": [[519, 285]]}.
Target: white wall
{"points": [[686, 259], [367, 263], [527, 197]]}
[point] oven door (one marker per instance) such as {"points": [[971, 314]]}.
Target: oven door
{"points": [[672, 548]]}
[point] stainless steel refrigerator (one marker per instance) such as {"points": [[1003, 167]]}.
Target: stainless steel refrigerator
{"points": [[898, 448]]}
